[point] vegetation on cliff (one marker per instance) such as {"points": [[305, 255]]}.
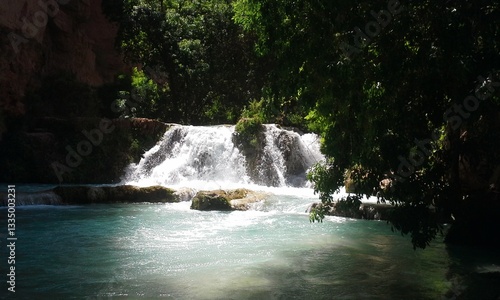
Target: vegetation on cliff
{"points": [[202, 59]]}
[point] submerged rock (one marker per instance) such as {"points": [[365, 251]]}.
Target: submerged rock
{"points": [[224, 200]]}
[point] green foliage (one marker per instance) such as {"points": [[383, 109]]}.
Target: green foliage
{"points": [[143, 98], [359, 180], [317, 214], [327, 180], [196, 48], [135, 149], [255, 110], [372, 106], [417, 221], [248, 130], [250, 124], [349, 206]]}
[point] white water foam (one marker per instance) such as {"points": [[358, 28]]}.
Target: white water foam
{"points": [[205, 157], [189, 155]]}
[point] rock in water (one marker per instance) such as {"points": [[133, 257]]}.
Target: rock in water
{"points": [[210, 201], [238, 199], [115, 194]]}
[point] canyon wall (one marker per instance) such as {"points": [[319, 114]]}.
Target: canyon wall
{"points": [[39, 38]]}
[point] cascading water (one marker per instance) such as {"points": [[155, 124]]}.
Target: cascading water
{"points": [[189, 155], [273, 157], [290, 155]]}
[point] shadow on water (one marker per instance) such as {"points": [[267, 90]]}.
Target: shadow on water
{"points": [[378, 267], [387, 271], [474, 273]]}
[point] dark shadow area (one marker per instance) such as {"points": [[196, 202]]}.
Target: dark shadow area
{"points": [[380, 267], [474, 273]]}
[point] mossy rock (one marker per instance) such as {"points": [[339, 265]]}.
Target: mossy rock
{"points": [[210, 201], [248, 126], [73, 194], [115, 194], [237, 199], [128, 193]]}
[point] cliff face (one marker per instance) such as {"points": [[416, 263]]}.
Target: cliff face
{"points": [[77, 150], [40, 38], [43, 39]]}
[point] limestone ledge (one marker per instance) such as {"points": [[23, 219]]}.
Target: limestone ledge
{"points": [[223, 200], [77, 195]]}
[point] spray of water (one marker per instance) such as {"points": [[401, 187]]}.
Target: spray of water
{"points": [[207, 157]]}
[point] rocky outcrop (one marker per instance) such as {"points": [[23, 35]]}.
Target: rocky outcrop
{"points": [[43, 38], [185, 194], [32, 198], [115, 194], [371, 211], [78, 195], [275, 156], [77, 150], [238, 199], [366, 211]]}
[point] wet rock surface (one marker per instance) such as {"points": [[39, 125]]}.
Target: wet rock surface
{"points": [[225, 200]]}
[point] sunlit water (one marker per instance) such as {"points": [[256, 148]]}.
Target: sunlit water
{"points": [[271, 252]]}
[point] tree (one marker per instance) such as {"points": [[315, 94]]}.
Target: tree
{"points": [[383, 84], [205, 58]]}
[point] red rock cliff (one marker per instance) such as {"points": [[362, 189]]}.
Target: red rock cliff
{"points": [[42, 37]]}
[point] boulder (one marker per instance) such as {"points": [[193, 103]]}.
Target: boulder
{"points": [[210, 201], [222, 200], [32, 198]]}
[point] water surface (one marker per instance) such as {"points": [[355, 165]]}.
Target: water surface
{"points": [[272, 252]]}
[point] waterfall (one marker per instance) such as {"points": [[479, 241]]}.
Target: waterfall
{"points": [[191, 153], [187, 155], [272, 168]]}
